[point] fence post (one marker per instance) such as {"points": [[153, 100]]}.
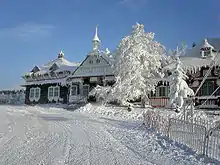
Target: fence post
{"points": [[168, 131], [205, 145]]}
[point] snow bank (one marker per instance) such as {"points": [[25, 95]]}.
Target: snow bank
{"points": [[158, 119], [112, 111]]}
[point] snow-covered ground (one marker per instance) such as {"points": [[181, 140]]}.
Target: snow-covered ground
{"points": [[55, 136]]}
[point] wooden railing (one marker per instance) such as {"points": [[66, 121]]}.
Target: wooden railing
{"points": [[158, 102]]}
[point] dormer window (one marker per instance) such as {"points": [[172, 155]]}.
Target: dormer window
{"points": [[35, 69], [54, 67], [205, 53]]}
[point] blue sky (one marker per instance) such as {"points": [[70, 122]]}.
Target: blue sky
{"points": [[33, 32]]}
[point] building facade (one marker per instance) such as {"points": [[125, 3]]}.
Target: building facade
{"points": [[46, 84], [199, 60], [61, 81]]}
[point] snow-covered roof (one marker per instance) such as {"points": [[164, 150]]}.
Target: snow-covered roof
{"points": [[61, 63], [194, 64], [195, 51], [193, 60]]}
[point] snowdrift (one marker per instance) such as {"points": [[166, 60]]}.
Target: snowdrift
{"points": [[112, 111]]}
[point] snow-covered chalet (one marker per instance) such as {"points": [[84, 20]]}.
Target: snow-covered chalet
{"points": [[196, 63], [66, 82]]}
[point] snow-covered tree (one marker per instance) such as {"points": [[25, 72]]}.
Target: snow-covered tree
{"points": [[179, 89], [138, 62], [179, 51]]}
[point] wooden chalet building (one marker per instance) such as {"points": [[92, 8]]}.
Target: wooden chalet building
{"points": [[46, 84], [196, 63], [66, 82]]}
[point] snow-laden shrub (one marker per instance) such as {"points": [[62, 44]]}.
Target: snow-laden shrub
{"points": [[156, 121], [12, 98], [100, 92], [112, 111]]}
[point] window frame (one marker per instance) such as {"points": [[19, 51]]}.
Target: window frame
{"points": [[76, 90], [35, 94], [158, 91], [31, 94], [207, 88], [162, 91], [56, 92], [51, 93], [88, 87]]}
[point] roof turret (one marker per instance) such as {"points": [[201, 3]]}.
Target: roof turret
{"points": [[206, 46], [61, 54]]}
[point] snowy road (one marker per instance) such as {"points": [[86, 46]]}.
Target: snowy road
{"points": [[52, 136]]}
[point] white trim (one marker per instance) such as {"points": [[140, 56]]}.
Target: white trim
{"points": [[53, 97], [93, 79], [34, 98], [109, 78], [77, 80]]}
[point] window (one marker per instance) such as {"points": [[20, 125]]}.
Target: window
{"points": [[207, 88], [85, 90], [37, 92], [162, 91], [205, 53], [53, 93], [56, 92], [90, 61], [54, 67], [73, 90], [50, 92], [98, 61], [34, 94]]}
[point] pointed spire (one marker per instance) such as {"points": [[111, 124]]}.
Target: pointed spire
{"points": [[96, 41], [96, 38], [61, 54]]}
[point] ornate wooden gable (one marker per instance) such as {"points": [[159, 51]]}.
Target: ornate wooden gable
{"points": [[35, 69], [93, 65]]}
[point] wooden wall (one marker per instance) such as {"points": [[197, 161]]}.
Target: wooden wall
{"points": [[44, 93]]}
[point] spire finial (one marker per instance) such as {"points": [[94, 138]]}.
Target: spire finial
{"points": [[96, 39]]}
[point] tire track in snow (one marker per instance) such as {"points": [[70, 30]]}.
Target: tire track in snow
{"points": [[132, 150], [67, 145], [92, 131]]}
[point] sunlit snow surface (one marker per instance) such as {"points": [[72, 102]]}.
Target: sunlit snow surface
{"points": [[55, 136]]}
